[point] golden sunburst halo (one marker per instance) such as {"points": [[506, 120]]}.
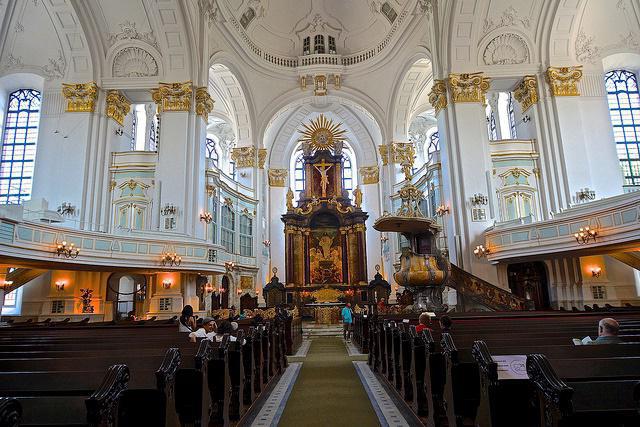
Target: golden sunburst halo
{"points": [[321, 133]]}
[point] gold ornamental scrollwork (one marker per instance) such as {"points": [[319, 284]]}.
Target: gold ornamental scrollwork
{"points": [[403, 152], [526, 93], [211, 190], [277, 177], [262, 157], [173, 96], [80, 97], [468, 87], [370, 174], [438, 95], [118, 106], [245, 157], [384, 154], [563, 81], [204, 103], [327, 295]]}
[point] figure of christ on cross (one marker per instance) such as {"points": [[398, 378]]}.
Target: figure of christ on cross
{"points": [[324, 179]]}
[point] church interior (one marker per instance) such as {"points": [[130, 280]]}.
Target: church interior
{"points": [[320, 212]]}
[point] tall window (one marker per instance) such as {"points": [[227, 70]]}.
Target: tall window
{"points": [[246, 235], [298, 175], [492, 131], [433, 145], [332, 44], [212, 152], [512, 117], [19, 146], [624, 107], [347, 174], [306, 46], [318, 43], [228, 228], [214, 218]]}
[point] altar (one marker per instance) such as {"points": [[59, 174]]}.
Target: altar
{"points": [[325, 313]]}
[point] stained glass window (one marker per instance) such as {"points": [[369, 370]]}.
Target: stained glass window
{"points": [[19, 146], [298, 175], [212, 152], [434, 145], [624, 108]]}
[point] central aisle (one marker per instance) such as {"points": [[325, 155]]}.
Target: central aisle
{"points": [[328, 390]]}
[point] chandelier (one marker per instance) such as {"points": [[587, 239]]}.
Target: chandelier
{"points": [[585, 235], [480, 251], [442, 210], [171, 259], [68, 250]]}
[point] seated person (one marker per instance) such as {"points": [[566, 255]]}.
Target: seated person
{"points": [[187, 321], [445, 323], [207, 330], [225, 327], [607, 332], [424, 322]]}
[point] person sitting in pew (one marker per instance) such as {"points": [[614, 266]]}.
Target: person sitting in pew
{"points": [[445, 323], [607, 332], [226, 327], [424, 322], [187, 321], [208, 330]]}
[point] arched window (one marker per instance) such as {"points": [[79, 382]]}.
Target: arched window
{"points": [[19, 146], [306, 46], [298, 175], [433, 145], [211, 152], [347, 174], [318, 43], [624, 107], [228, 226]]}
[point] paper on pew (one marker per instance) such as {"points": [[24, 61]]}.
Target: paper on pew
{"points": [[584, 341], [512, 367]]}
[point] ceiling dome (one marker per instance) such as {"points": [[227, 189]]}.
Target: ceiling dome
{"points": [[281, 26]]}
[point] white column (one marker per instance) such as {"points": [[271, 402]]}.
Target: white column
{"points": [[277, 207]]}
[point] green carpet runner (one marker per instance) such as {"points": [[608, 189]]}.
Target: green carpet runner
{"points": [[328, 391]]}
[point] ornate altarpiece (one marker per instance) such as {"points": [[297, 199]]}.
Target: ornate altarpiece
{"points": [[324, 232]]}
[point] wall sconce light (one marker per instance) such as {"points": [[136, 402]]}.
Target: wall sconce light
{"points": [[168, 209], [349, 292], [206, 217], [5, 284], [479, 199], [585, 195], [68, 250], [442, 210], [66, 209], [166, 284], [266, 243], [585, 234], [171, 259], [208, 287], [480, 251], [119, 131], [596, 272], [526, 119], [384, 238], [229, 266], [60, 285]]}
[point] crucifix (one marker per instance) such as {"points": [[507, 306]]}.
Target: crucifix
{"points": [[324, 179]]}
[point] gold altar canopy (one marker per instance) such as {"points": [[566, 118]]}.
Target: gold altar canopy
{"points": [[324, 231]]}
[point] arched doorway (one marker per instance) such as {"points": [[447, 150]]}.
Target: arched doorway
{"points": [[126, 292], [225, 292], [528, 280]]}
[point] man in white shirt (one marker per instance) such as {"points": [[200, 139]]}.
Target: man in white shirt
{"points": [[208, 330]]}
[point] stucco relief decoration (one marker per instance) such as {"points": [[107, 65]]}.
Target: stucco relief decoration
{"points": [[211, 11], [173, 96], [424, 6], [128, 31], [586, 50], [370, 174], [510, 18], [468, 87], [384, 153], [118, 106], [277, 177], [245, 157], [134, 62], [262, 157], [204, 103], [506, 49], [563, 81], [80, 97], [54, 69], [438, 95], [526, 93]]}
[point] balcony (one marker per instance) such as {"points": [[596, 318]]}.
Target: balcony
{"points": [[616, 220]]}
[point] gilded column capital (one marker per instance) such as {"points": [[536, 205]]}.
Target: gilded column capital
{"points": [[403, 152], [384, 153], [262, 157], [526, 93], [370, 174], [277, 177], [80, 97], [245, 157], [438, 95], [563, 81], [118, 106], [468, 87], [204, 103], [173, 96]]}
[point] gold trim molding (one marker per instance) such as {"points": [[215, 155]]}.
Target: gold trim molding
{"points": [[563, 81], [526, 93], [370, 174], [262, 157], [277, 177], [80, 97], [118, 106], [204, 103], [245, 157], [173, 96], [468, 87], [438, 95]]}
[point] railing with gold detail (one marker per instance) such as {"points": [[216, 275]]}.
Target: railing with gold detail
{"points": [[480, 291]]}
